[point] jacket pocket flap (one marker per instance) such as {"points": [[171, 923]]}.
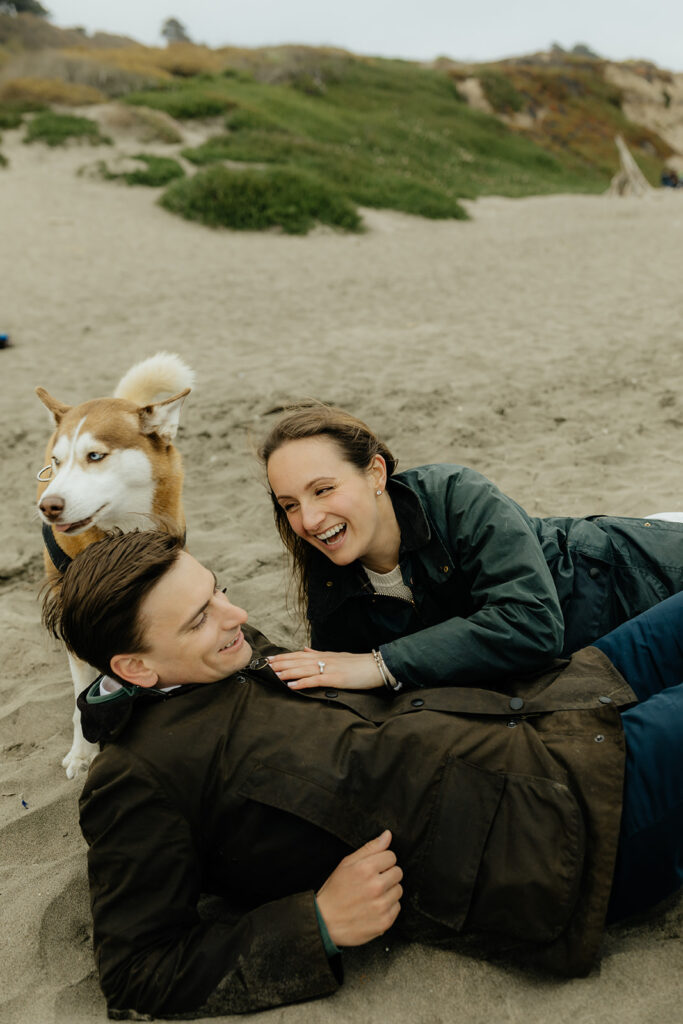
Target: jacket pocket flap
{"points": [[504, 854], [533, 862], [299, 795], [461, 821]]}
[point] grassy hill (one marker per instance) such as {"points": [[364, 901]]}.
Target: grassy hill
{"points": [[380, 133], [570, 107], [387, 133]]}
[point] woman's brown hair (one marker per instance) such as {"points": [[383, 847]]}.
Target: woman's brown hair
{"points": [[357, 444]]}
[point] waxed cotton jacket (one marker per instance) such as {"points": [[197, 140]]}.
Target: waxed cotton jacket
{"points": [[495, 591], [504, 810]]}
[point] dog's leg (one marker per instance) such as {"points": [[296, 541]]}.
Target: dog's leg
{"points": [[81, 754]]}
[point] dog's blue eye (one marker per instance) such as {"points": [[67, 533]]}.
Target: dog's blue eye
{"points": [[96, 456]]}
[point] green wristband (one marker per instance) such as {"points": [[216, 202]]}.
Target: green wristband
{"points": [[329, 946]]}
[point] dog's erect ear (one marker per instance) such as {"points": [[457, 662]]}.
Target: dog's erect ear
{"points": [[57, 408], [162, 418]]}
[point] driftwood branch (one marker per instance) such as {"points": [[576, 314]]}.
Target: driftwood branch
{"points": [[629, 179]]}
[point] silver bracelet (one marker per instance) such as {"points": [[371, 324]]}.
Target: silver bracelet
{"points": [[394, 685]]}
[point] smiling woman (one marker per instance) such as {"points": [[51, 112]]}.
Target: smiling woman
{"points": [[332, 504], [432, 575]]}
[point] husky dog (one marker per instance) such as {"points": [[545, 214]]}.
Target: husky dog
{"points": [[111, 464]]}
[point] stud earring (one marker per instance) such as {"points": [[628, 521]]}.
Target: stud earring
{"points": [[378, 493]]}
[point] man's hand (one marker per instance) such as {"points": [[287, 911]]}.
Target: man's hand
{"points": [[360, 899]]}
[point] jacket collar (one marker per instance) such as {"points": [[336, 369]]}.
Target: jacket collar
{"points": [[410, 513], [330, 585], [104, 716]]}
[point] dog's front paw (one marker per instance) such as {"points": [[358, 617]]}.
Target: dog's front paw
{"points": [[79, 758]]}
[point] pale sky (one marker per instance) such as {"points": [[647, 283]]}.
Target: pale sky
{"points": [[477, 31]]}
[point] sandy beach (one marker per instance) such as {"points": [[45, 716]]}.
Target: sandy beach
{"points": [[540, 343]]}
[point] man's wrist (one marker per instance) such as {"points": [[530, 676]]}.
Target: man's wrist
{"points": [[330, 948]]}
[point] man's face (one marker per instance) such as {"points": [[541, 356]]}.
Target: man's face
{"points": [[191, 629]]}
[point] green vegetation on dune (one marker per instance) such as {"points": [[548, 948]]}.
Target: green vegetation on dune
{"points": [[318, 125], [254, 200], [388, 134], [12, 112], [10, 118], [500, 92], [194, 99], [57, 129], [573, 112], [155, 171]]}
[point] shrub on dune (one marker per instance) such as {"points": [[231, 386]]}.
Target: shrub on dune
{"points": [[10, 118], [154, 171], [192, 101], [254, 200], [12, 110], [81, 70], [56, 129], [47, 90]]}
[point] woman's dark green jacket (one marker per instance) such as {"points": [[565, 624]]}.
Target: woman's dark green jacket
{"points": [[495, 591]]}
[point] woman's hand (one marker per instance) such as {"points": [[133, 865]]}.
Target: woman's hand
{"points": [[302, 670], [361, 898]]}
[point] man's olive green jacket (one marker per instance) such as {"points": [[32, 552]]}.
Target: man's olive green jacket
{"points": [[505, 813]]}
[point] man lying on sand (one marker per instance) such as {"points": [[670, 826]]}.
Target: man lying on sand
{"points": [[296, 808]]}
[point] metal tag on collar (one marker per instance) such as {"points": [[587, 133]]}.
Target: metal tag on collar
{"points": [[44, 479], [258, 663]]}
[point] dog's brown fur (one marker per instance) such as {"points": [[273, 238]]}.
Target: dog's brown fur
{"points": [[129, 423]]}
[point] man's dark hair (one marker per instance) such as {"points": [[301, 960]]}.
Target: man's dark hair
{"points": [[95, 606]]}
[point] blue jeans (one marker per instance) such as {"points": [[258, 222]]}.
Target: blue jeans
{"points": [[648, 651]]}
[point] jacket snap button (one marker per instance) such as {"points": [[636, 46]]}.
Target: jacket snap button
{"points": [[445, 568], [511, 724], [516, 704], [594, 573], [331, 693], [329, 583], [417, 702], [599, 738], [605, 700], [241, 679]]}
